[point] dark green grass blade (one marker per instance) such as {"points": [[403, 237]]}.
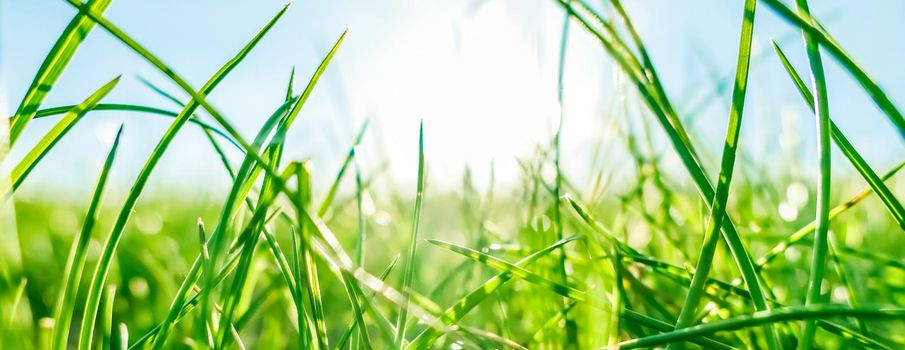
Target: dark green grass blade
{"points": [[810, 25], [25, 166], [876, 183], [136, 108], [105, 260], [75, 263], [763, 317], [682, 146], [53, 66], [409, 263], [727, 167], [464, 305]]}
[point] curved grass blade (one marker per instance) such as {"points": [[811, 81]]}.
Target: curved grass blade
{"points": [[75, 263], [105, 260], [810, 25], [198, 98], [25, 166], [876, 183], [248, 172], [413, 242], [53, 66], [760, 318], [137, 108], [727, 167]]}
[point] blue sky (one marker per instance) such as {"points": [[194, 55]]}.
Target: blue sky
{"points": [[482, 75]]}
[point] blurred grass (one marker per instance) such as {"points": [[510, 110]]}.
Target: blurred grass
{"points": [[542, 262]]}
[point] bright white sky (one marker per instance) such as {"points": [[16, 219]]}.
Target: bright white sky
{"points": [[481, 74]]}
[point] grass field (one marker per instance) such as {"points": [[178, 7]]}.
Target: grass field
{"points": [[796, 255]]}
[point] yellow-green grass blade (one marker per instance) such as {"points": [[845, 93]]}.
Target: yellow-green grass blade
{"points": [[763, 317], [464, 305], [810, 25], [306, 268], [105, 259], [727, 167], [75, 263], [808, 229], [409, 263], [53, 66], [31, 159], [875, 182], [682, 146]]}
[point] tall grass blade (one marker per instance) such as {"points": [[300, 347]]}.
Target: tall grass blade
{"points": [[810, 25], [875, 182], [727, 166], [75, 263], [409, 262], [822, 113], [105, 260]]}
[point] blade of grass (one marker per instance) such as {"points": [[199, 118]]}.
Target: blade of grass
{"points": [[570, 327], [249, 170], [328, 199], [75, 263], [460, 308], [105, 260], [876, 183], [563, 290], [803, 232], [727, 166], [30, 160], [682, 146], [53, 66], [760, 318], [822, 113], [136, 108], [809, 24], [198, 98], [104, 341], [409, 262], [383, 276]]}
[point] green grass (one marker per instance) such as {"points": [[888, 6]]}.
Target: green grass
{"points": [[543, 262]]}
